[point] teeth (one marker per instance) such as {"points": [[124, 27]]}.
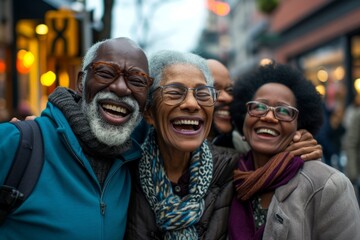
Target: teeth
{"points": [[186, 122], [114, 108], [267, 131], [223, 112]]}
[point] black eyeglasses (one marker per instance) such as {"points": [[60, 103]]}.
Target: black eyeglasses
{"points": [[107, 73], [174, 94], [282, 113]]}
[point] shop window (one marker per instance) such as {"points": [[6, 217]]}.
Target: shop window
{"points": [[355, 53], [324, 66]]}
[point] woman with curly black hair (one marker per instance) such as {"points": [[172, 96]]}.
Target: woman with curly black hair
{"points": [[278, 195]]}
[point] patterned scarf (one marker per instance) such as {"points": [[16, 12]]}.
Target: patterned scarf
{"points": [[278, 171], [174, 215]]}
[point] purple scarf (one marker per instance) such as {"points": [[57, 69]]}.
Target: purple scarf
{"points": [[278, 171]]}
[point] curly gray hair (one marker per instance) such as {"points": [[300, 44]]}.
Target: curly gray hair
{"points": [[160, 60]]}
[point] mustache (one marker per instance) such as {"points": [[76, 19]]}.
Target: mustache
{"points": [[221, 105], [128, 100]]}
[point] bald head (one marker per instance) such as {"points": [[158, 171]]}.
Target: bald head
{"points": [[218, 70], [122, 44]]}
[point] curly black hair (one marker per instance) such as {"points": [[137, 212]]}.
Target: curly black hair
{"points": [[308, 100]]}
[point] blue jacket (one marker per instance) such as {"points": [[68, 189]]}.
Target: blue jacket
{"points": [[67, 201]]}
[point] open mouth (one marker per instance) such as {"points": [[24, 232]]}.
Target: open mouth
{"points": [[187, 126], [267, 132], [114, 113], [115, 110], [225, 114]]}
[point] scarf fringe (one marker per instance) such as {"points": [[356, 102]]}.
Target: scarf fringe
{"points": [[247, 183]]}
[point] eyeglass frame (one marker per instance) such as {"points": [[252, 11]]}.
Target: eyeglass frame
{"points": [[273, 109], [213, 93], [119, 72]]}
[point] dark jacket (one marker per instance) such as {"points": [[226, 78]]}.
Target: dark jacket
{"points": [[213, 223]]}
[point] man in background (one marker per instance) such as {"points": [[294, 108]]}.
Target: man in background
{"points": [[222, 132]]}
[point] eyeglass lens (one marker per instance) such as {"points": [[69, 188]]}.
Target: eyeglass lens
{"points": [[108, 73], [283, 113], [175, 94]]}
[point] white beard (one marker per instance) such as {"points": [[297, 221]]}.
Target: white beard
{"points": [[106, 133]]}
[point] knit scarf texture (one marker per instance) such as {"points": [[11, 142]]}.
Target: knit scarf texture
{"points": [[175, 216], [278, 171], [99, 154]]}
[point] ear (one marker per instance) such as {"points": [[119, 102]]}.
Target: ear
{"points": [[80, 86], [148, 116]]}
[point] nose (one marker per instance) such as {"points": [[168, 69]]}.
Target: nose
{"points": [[190, 101], [119, 86], [270, 116]]}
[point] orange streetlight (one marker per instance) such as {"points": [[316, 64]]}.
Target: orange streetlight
{"points": [[220, 8]]}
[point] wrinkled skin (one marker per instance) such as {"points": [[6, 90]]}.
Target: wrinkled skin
{"points": [[122, 52], [113, 109], [177, 141]]}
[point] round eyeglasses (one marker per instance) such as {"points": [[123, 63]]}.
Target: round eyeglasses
{"points": [[282, 113], [174, 94], [107, 73]]}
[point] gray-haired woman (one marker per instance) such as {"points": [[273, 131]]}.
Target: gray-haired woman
{"points": [[182, 186]]}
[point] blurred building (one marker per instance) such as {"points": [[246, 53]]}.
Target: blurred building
{"points": [[229, 36], [215, 40], [246, 22], [320, 37], [41, 44]]}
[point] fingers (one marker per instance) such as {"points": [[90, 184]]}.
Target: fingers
{"points": [[302, 135], [309, 152], [305, 135], [302, 144], [296, 137], [14, 119], [313, 155], [305, 146], [30, 117]]}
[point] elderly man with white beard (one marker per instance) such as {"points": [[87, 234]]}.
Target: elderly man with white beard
{"points": [[84, 187]]}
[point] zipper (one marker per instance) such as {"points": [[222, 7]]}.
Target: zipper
{"points": [[108, 179], [102, 204], [102, 207]]}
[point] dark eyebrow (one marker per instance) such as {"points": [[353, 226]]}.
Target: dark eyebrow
{"points": [[132, 68]]}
